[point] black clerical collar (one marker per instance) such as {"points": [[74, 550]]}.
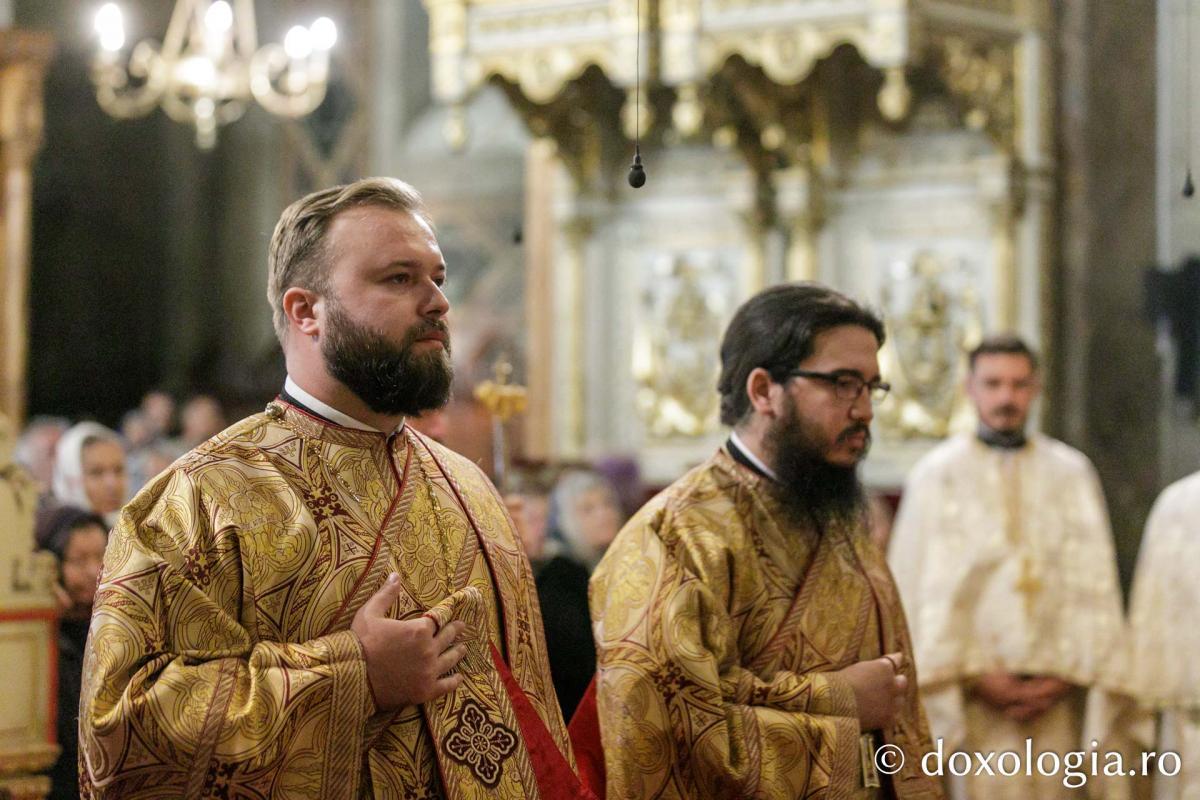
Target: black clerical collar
{"points": [[1001, 440], [739, 455]]}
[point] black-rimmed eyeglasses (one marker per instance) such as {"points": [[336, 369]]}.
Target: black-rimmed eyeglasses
{"points": [[847, 386]]}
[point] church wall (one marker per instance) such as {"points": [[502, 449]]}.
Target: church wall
{"points": [[918, 214], [1107, 401], [663, 270], [476, 198]]}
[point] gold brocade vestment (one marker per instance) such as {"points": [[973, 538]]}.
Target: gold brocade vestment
{"points": [[220, 661], [718, 628]]}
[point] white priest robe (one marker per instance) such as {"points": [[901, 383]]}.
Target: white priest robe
{"points": [[1004, 560], [1165, 658]]}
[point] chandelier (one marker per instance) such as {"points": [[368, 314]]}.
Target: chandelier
{"points": [[209, 66]]}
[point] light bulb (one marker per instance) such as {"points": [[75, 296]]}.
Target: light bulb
{"points": [[197, 72], [111, 27], [219, 17], [298, 43], [324, 33]]}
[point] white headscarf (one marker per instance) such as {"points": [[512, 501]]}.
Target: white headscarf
{"points": [[68, 465]]}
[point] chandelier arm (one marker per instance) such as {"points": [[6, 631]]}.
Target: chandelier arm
{"points": [[177, 108], [271, 72], [246, 29], [181, 16], [114, 92]]}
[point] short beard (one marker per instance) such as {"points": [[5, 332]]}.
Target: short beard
{"points": [[812, 491], [1011, 429], [391, 379]]}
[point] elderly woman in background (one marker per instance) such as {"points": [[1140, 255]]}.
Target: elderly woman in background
{"points": [[89, 470], [77, 539], [585, 515], [35, 452]]}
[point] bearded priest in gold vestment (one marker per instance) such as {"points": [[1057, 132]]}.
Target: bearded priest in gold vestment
{"points": [[319, 602], [1005, 562], [749, 637], [1165, 661]]}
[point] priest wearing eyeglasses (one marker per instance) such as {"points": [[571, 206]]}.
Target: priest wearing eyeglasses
{"points": [[750, 640]]}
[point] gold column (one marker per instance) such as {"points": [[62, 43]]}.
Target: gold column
{"points": [[27, 613], [539, 297], [576, 232], [23, 58], [802, 257], [802, 251], [28, 626], [1006, 289], [753, 271], [555, 308]]}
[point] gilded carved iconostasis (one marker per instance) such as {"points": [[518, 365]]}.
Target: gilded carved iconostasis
{"points": [[899, 151]]}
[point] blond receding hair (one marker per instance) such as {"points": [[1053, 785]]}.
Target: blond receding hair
{"points": [[298, 256]]}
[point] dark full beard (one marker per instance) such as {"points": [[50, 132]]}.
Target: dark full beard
{"points": [[391, 379], [812, 491]]}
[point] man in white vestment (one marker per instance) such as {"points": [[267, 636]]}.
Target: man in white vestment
{"points": [[1165, 636], [1004, 559]]}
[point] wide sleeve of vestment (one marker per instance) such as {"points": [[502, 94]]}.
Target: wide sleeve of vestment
{"points": [[180, 697]]}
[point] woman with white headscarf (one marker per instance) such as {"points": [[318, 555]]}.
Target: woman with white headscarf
{"points": [[89, 470]]}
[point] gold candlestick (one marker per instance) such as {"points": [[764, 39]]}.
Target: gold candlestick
{"points": [[503, 400]]}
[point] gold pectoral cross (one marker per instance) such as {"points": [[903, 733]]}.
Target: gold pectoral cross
{"points": [[1028, 585]]}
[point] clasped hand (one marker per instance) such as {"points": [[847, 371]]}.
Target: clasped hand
{"points": [[879, 689], [408, 661]]}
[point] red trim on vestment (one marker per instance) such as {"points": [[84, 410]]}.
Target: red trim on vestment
{"points": [[585, 741], [553, 772], [554, 775]]}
